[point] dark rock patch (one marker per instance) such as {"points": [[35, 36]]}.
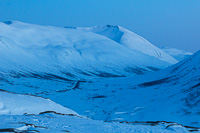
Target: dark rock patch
{"points": [[156, 82]]}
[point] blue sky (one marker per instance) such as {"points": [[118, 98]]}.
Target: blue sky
{"points": [[172, 23]]}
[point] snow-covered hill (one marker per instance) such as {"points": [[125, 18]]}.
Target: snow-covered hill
{"points": [[76, 53], [177, 53]]}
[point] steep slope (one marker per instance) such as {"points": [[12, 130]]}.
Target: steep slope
{"points": [[177, 53], [71, 53]]}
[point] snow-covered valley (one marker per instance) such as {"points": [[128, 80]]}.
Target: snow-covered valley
{"points": [[96, 79]]}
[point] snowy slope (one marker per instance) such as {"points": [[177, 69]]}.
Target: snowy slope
{"points": [[177, 53], [74, 53], [130, 40], [15, 104]]}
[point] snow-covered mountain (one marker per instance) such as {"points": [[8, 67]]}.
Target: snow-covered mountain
{"points": [[47, 72], [76, 53], [177, 53]]}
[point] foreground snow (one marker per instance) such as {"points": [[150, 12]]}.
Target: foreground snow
{"points": [[13, 106], [56, 123]]}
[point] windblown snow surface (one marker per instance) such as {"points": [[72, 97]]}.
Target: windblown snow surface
{"points": [[42, 64]]}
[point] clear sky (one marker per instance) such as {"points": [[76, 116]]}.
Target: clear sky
{"points": [[172, 23]]}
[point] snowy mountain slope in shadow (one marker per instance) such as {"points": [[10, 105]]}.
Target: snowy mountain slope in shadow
{"points": [[28, 49], [171, 94]]}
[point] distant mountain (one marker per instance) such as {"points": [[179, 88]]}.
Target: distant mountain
{"points": [[177, 53]]}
